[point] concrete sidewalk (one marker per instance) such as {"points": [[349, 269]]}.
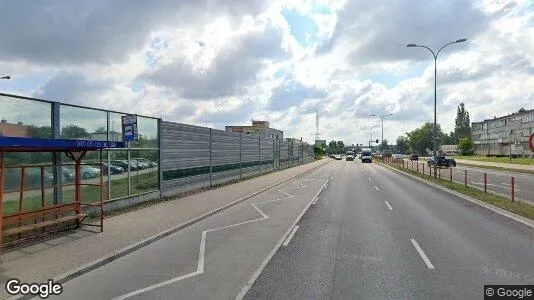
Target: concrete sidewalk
{"points": [[54, 258], [500, 165]]}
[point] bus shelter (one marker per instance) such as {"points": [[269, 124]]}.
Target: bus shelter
{"points": [[46, 217]]}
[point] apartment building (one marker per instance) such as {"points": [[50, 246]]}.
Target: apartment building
{"points": [[504, 135]]}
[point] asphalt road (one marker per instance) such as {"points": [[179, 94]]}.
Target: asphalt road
{"points": [[212, 259], [422, 243], [497, 181]]}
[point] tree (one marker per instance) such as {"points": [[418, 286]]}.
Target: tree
{"points": [[448, 139], [462, 128], [340, 147], [42, 132], [383, 146], [74, 132], [101, 129], [332, 146], [319, 152], [420, 139], [465, 146], [402, 144]]}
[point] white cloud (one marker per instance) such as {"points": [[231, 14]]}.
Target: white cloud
{"points": [[204, 63]]}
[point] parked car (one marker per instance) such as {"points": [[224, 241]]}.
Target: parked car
{"points": [[88, 172], [151, 164], [68, 174], [124, 165], [442, 161], [32, 178], [397, 157], [140, 164], [414, 157], [112, 169]]}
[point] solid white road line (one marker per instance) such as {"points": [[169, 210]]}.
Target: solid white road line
{"points": [[422, 253], [376, 188], [286, 242], [316, 197], [389, 206]]}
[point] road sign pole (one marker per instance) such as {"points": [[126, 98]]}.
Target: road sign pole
{"points": [[485, 183], [513, 189]]}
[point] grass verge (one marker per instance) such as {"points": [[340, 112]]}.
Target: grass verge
{"points": [[522, 209]]}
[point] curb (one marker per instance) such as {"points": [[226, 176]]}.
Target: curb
{"points": [[501, 211], [62, 279]]}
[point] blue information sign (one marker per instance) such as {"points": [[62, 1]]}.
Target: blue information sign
{"points": [[129, 128]]}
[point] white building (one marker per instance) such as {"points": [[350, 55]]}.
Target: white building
{"points": [[504, 135]]}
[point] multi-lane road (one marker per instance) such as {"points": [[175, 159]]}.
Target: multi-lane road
{"points": [[499, 182], [344, 231]]}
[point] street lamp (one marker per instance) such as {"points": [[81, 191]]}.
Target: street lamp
{"points": [[5, 77], [435, 54], [382, 118]]}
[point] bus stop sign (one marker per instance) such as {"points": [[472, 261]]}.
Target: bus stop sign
{"points": [[531, 142], [129, 128]]}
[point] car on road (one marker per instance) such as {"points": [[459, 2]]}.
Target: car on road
{"points": [[367, 155], [349, 156], [441, 161], [337, 156], [414, 157]]}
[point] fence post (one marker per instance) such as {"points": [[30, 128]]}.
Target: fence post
{"points": [[417, 163], [450, 169], [273, 155], [439, 173], [240, 155], [403, 163], [513, 189], [465, 177], [211, 165], [423, 168], [259, 153], [485, 183]]}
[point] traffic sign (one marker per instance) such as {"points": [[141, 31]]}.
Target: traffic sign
{"points": [[129, 128], [531, 142]]}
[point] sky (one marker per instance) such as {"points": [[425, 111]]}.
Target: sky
{"points": [[216, 63]]}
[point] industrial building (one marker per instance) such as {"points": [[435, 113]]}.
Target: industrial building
{"points": [[503, 136], [258, 127]]}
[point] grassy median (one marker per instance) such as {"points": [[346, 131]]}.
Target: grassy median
{"points": [[525, 210]]}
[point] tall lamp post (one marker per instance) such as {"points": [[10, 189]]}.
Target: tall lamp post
{"points": [[435, 54], [382, 119], [5, 77]]}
